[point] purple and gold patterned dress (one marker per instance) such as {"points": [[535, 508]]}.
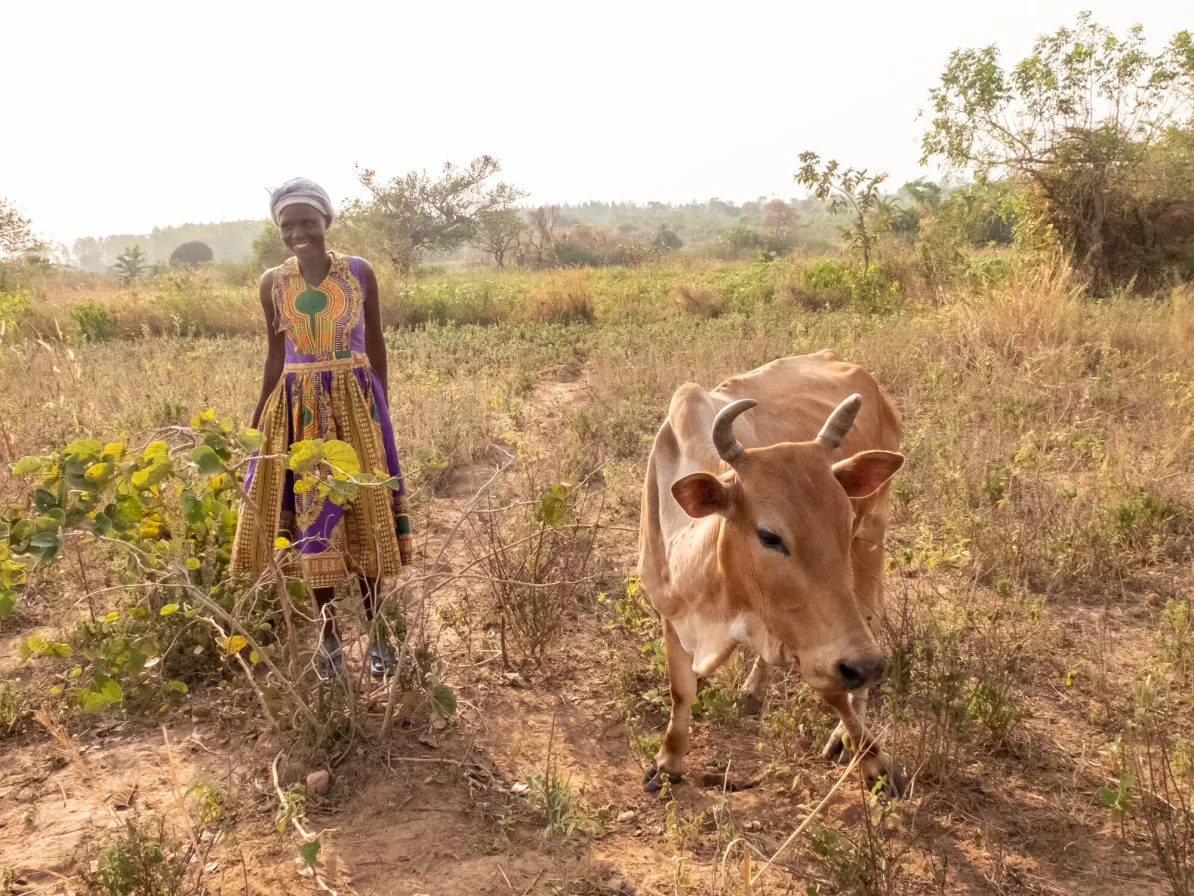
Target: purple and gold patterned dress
{"points": [[328, 390]]}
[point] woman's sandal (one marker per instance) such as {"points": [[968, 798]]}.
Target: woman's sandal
{"points": [[380, 664]]}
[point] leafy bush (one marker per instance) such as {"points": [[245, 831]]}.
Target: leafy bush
{"points": [[834, 284], [95, 322]]}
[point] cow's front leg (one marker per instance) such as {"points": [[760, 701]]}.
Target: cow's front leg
{"points": [[874, 762], [755, 691], [835, 749], [682, 682]]}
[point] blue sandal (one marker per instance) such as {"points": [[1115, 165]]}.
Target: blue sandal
{"points": [[381, 663]]}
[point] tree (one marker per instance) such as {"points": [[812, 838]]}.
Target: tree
{"points": [[926, 194], [852, 190], [16, 231], [540, 248], [667, 240], [417, 213], [191, 254], [268, 249], [1085, 120], [499, 233], [779, 218], [130, 265]]}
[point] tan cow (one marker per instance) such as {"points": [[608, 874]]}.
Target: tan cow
{"points": [[763, 521]]}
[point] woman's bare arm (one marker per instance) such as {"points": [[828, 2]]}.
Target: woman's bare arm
{"points": [[275, 356], [375, 343]]}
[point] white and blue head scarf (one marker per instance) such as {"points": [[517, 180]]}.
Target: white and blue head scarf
{"points": [[301, 191]]}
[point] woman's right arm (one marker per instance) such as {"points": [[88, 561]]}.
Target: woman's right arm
{"points": [[275, 357]]}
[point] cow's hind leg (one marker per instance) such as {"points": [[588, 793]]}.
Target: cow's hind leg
{"points": [[755, 691], [682, 682]]}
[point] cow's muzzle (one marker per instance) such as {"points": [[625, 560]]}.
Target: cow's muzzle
{"points": [[860, 672]]}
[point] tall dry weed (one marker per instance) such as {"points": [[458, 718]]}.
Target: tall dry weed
{"points": [[564, 299], [699, 300], [1034, 313]]}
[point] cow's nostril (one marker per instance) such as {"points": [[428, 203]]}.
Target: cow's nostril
{"points": [[860, 673]]}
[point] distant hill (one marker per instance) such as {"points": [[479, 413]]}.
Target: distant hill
{"points": [[229, 241], [695, 223]]}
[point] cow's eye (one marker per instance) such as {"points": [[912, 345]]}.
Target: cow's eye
{"points": [[771, 541]]}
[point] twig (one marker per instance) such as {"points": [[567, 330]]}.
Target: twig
{"points": [[858, 754]]}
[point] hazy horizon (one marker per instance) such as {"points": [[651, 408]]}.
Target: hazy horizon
{"points": [[138, 115]]}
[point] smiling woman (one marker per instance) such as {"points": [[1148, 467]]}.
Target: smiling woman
{"points": [[325, 378]]}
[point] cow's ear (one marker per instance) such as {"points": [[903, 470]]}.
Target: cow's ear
{"points": [[701, 494], [866, 472]]}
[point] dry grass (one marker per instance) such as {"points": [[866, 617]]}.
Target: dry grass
{"points": [[699, 300]]}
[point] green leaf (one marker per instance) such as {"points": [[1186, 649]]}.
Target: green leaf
{"points": [[193, 563], [156, 451], [126, 513], [304, 485], [207, 460], [310, 852], [168, 609], [84, 449], [251, 440], [8, 601], [47, 544], [254, 657], [305, 455], [444, 699], [98, 698], [25, 465], [178, 687], [342, 457]]}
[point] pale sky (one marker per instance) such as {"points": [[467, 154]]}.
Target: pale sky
{"points": [[126, 115]]}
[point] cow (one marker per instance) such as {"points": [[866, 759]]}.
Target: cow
{"points": [[764, 515]]}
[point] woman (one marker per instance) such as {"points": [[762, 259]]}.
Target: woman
{"points": [[325, 378]]}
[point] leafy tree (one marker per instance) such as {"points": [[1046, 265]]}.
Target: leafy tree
{"points": [[779, 218], [268, 249], [191, 254], [417, 213], [1087, 120], [926, 194], [16, 231], [499, 233], [852, 190], [130, 265], [667, 240]]}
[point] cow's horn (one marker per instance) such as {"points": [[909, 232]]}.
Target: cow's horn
{"points": [[839, 422], [728, 447]]}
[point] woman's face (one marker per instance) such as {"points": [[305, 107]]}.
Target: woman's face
{"points": [[304, 231]]}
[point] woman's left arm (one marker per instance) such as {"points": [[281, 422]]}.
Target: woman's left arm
{"points": [[375, 343]]}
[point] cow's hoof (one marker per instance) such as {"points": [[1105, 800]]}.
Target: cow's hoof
{"points": [[836, 751], [750, 705], [893, 783], [654, 778]]}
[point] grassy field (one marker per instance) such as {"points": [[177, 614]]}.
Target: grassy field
{"points": [[1040, 630]]}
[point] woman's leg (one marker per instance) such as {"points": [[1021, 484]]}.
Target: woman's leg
{"points": [[370, 589], [326, 610]]}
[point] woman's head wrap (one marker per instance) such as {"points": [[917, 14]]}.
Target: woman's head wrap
{"points": [[301, 191]]}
